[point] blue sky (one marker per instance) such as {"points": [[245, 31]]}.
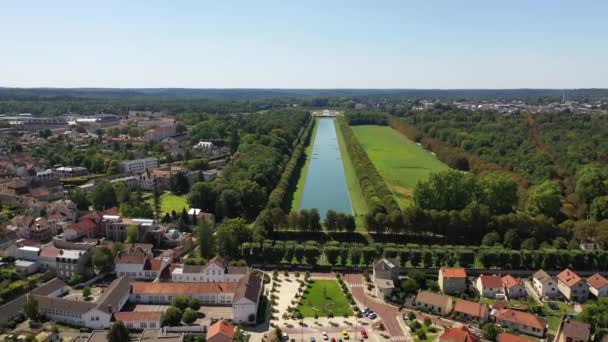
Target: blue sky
{"points": [[305, 44]]}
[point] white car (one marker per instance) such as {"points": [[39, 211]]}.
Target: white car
{"points": [[325, 336]]}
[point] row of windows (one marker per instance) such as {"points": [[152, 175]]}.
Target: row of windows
{"points": [[58, 312], [142, 325], [208, 299]]}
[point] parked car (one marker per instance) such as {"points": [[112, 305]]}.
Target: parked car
{"points": [[372, 315], [364, 334], [345, 334], [312, 339], [325, 336]]}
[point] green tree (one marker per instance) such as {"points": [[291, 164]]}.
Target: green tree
{"points": [[118, 333], [31, 308], [293, 220], [489, 332], [331, 220], [156, 199], [180, 184], [202, 196], [491, 239], [86, 292], [131, 234], [103, 259], [206, 239], [80, 198], [172, 316], [544, 199], [592, 181], [231, 233], [599, 208], [279, 220], [103, 196], [446, 190], [499, 192], [511, 239], [181, 302], [189, 316]]}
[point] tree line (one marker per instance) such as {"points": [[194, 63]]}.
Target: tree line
{"points": [[366, 117]]}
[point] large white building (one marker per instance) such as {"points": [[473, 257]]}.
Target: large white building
{"points": [[138, 165], [243, 296], [215, 271], [136, 263]]}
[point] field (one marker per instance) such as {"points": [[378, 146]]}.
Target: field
{"points": [[399, 160], [323, 297], [169, 202]]}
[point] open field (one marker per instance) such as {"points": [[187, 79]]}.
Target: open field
{"points": [[170, 201], [399, 160], [323, 297], [297, 196]]}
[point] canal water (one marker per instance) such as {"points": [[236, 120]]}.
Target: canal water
{"points": [[325, 187]]}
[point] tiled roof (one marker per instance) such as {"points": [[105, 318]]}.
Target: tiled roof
{"points": [[460, 334], [492, 281], [568, 277], [49, 251], [221, 328], [114, 293], [134, 316], [577, 331], [542, 276], [456, 272], [521, 317], [506, 337], [153, 265], [597, 281], [471, 308], [432, 298], [510, 281], [183, 288], [249, 287], [67, 305]]}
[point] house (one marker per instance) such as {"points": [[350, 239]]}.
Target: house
{"points": [[521, 321], [95, 315], [490, 286], [116, 226], [136, 263], [215, 271], [384, 274], [513, 287], [598, 285], [571, 286], [70, 262], [140, 320], [459, 334], [243, 296], [220, 332], [452, 280], [471, 311], [544, 284], [433, 302], [26, 267], [48, 256], [506, 337], [138, 165], [85, 228], [573, 331]]}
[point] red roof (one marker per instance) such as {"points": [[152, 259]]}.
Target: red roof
{"points": [[153, 264], [597, 281], [521, 317], [568, 277], [510, 281], [456, 272], [471, 308], [492, 281], [221, 327], [134, 316], [183, 288], [460, 334], [506, 337], [49, 251], [83, 226]]}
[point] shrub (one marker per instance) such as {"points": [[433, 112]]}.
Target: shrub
{"points": [[427, 321], [411, 315]]}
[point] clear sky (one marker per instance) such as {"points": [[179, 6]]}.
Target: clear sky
{"points": [[304, 44]]}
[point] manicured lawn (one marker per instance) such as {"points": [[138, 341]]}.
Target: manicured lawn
{"points": [[297, 196], [399, 160], [323, 297], [357, 201], [170, 201], [554, 316]]}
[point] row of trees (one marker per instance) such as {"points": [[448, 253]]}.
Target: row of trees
{"points": [[383, 210], [366, 117], [273, 216]]}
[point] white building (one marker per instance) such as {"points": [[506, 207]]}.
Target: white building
{"points": [[137, 165], [598, 285], [203, 146], [490, 286], [215, 271], [136, 263], [544, 284]]}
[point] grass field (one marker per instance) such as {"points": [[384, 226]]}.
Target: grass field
{"points": [[399, 160], [297, 196], [357, 201], [170, 201], [323, 297]]}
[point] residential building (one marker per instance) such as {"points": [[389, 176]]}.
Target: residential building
{"points": [[220, 331], [159, 133], [452, 280], [544, 284], [95, 315], [471, 311], [71, 262], [85, 228], [138, 165], [116, 227], [573, 331], [139, 320], [243, 296], [490, 286], [459, 334], [68, 172], [215, 271], [385, 273], [513, 287], [433, 302], [136, 263], [571, 286], [598, 285], [521, 321]]}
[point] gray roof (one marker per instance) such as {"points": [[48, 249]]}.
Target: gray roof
{"points": [[49, 287], [249, 287], [542, 276], [69, 305], [237, 269], [114, 293], [193, 268]]}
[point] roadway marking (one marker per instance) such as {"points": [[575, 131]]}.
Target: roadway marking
{"points": [[399, 338]]}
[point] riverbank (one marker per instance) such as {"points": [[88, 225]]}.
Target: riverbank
{"points": [[297, 195]]}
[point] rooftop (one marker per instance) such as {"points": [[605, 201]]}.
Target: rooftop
{"points": [[597, 281], [568, 277], [456, 272]]}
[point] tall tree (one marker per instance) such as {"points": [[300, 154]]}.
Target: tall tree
{"points": [[118, 333], [206, 239], [544, 199]]}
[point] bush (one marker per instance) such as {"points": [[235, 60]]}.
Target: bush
{"points": [[411, 315], [427, 321], [189, 316]]}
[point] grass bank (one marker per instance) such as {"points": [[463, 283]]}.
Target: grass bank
{"points": [[297, 195], [399, 160]]}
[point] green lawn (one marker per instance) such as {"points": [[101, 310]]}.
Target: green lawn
{"points": [[170, 201], [323, 297], [357, 201], [297, 196], [554, 317], [399, 160]]}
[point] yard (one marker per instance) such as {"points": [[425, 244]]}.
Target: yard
{"points": [[399, 160], [170, 202], [324, 297], [555, 311]]}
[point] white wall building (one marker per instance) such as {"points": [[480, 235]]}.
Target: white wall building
{"points": [[137, 165]]}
